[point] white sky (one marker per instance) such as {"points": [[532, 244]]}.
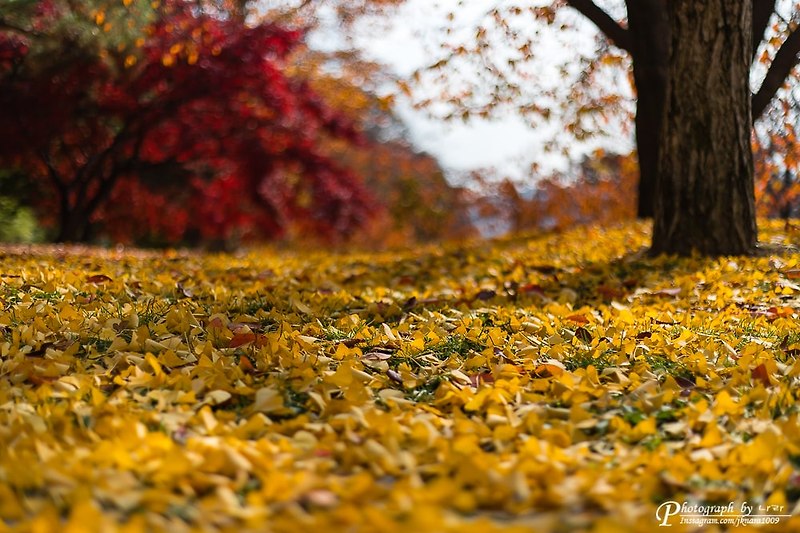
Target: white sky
{"points": [[458, 146], [507, 143]]}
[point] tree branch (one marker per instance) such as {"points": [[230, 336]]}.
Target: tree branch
{"points": [[762, 12], [610, 27], [287, 15], [778, 72], [52, 173]]}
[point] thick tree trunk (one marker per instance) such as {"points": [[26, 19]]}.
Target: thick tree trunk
{"points": [[649, 30], [704, 191]]}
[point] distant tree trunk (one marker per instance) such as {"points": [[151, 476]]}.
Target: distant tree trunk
{"points": [[73, 227], [704, 190], [648, 26]]}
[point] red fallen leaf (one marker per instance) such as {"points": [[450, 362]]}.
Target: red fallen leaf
{"points": [[350, 343], [630, 283], [760, 373], [322, 453], [792, 274], [41, 380], [785, 342], [483, 377], [531, 287], [781, 311], [98, 278], [578, 318], [246, 338], [609, 292], [216, 323], [487, 377], [246, 366]]}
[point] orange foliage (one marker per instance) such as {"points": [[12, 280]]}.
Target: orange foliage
{"points": [[777, 163], [417, 202], [602, 189]]}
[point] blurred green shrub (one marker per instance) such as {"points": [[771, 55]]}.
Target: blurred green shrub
{"points": [[18, 223]]}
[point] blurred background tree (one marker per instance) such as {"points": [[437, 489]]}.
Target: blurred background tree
{"points": [[214, 121], [192, 121]]}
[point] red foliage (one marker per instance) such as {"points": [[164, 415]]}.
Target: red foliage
{"points": [[196, 130]]}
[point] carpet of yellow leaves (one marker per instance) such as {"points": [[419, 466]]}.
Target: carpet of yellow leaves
{"points": [[558, 383]]}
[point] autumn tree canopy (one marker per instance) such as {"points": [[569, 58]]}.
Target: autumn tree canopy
{"points": [[167, 117]]}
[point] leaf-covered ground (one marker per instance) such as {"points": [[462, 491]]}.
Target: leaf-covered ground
{"points": [[557, 383]]}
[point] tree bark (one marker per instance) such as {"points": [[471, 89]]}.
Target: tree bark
{"points": [[704, 190], [73, 228], [648, 26]]}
